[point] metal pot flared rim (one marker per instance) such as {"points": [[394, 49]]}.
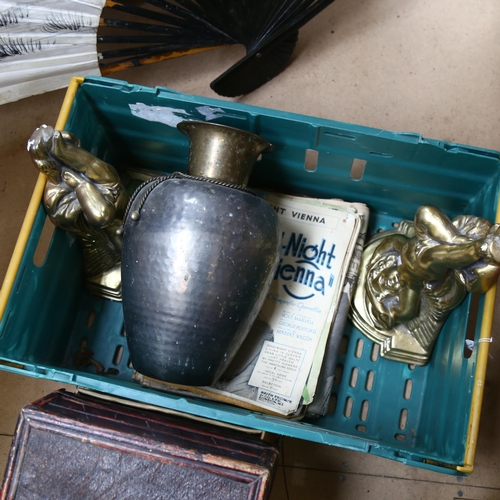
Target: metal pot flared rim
{"points": [[222, 153]]}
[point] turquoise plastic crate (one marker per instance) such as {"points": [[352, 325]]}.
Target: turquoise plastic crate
{"points": [[47, 313]]}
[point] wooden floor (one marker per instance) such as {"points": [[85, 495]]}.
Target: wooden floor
{"points": [[416, 66]]}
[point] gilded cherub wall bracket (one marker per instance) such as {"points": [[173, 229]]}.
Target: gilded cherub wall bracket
{"points": [[84, 196], [411, 279]]}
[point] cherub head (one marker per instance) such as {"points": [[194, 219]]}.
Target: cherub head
{"points": [[383, 278], [383, 286], [41, 148]]}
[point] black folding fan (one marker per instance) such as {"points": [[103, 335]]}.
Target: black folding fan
{"points": [[268, 29]]}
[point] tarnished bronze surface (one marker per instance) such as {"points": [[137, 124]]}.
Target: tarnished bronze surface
{"points": [[85, 196], [413, 277], [222, 153]]}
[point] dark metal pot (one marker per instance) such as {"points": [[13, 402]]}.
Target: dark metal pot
{"points": [[199, 255]]}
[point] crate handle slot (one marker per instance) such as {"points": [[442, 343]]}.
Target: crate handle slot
{"points": [[370, 378], [357, 169], [354, 377], [332, 404], [118, 355], [311, 160], [470, 333], [343, 345], [359, 348], [44, 241], [403, 419], [408, 389], [339, 135], [91, 318], [339, 370], [349, 403], [365, 406], [381, 155]]}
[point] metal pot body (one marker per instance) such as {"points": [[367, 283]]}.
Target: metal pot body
{"points": [[197, 263]]}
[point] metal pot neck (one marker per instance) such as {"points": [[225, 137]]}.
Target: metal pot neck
{"points": [[222, 153]]}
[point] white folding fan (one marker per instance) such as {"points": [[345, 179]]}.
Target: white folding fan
{"points": [[42, 46]]}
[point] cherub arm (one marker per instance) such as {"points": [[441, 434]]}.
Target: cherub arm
{"points": [[430, 222], [438, 259], [97, 208], [66, 148]]}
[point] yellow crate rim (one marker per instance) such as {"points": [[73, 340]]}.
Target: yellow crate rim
{"points": [[36, 199], [479, 379], [486, 327]]}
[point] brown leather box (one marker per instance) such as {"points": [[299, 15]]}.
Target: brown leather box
{"points": [[69, 446]]}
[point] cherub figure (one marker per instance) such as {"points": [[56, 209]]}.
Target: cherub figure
{"points": [[84, 196], [413, 281]]}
